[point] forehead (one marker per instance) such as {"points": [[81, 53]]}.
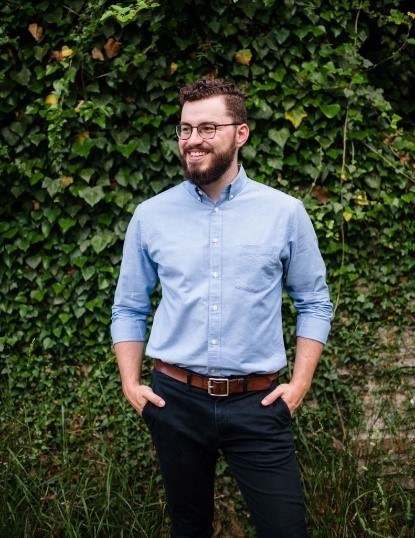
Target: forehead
{"points": [[212, 109]]}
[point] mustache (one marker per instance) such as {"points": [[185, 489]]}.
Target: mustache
{"points": [[197, 148]]}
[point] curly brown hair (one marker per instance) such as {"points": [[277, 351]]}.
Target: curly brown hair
{"points": [[202, 89]]}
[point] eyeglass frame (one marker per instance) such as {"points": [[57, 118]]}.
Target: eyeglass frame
{"points": [[215, 125]]}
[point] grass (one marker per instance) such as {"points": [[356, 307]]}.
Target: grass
{"points": [[357, 489], [73, 472], [93, 499], [55, 507], [91, 494]]}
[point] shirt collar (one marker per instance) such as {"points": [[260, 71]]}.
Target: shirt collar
{"points": [[229, 192]]}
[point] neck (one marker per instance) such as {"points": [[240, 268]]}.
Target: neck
{"points": [[213, 190]]}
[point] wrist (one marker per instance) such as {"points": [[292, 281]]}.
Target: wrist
{"points": [[300, 385], [130, 384]]}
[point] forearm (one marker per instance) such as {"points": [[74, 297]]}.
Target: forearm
{"points": [[307, 356], [130, 359]]}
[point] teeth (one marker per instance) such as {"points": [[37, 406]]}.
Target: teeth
{"points": [[197, 153]]}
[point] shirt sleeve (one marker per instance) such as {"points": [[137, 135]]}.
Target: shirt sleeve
{"points": [[305, 278], [138, 277]]}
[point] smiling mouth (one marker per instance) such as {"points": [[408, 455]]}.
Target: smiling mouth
{"points": [[194, 154]]}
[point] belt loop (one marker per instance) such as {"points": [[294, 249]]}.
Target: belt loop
{"points": [[189, 381]]}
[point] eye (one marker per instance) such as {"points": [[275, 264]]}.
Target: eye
{"points": [[207, 128], [185, 129]]}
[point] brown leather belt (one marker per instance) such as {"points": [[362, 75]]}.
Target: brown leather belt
{"points": [[217, 386]]}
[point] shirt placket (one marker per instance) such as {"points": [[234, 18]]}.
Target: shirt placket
{"points": [[215, 292]]}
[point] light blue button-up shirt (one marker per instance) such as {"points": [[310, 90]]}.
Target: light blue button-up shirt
{"points": [[222, 268]]}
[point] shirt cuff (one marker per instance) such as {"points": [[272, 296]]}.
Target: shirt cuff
{"points": [[131, 332], [313, 328]]}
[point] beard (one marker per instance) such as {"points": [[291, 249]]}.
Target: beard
{"points": [[221, 162]]}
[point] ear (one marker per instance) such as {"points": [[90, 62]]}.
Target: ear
{"points": [[242, 135]]}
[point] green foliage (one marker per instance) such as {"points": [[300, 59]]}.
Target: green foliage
{"points": [[126, 14], [89, 98], [75, 165]]}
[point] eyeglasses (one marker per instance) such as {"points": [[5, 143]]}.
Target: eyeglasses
{"points": [[206, 130]]}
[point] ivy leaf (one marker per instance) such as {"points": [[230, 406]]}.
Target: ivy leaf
{"points": [[112, 48], [53, 186], [122, 176], [52, 214], [278, 74], [22, 77], [35, 30], [97, 54], [127, 149], [296, 116], [121, 136], [361, 199], [38, 295], [170, 110], [143, 145], [100, 241], [281, 35], [66, 181], [122, 199], [92, 195], [66, 224], [33, 261], [65, 318], [88, 272], [320, 193], [18, 127], [249, 152], [51, 100], [243, 56], [280, 137], [330, 110], [86, 174], [82, 148], [60, 55], [9, 137], [396, 17], [347, 215], [275, 162]]}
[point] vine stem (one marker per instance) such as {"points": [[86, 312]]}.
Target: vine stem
{"points": [[389, 163], [342, 231], [343, 176]]}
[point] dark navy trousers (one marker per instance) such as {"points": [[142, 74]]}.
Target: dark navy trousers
{"points": [[257, 442]]}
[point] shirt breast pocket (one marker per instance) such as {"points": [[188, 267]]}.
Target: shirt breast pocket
{"points": [[255, 267]]}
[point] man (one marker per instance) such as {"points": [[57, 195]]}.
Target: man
{"points": [[223, 247]]}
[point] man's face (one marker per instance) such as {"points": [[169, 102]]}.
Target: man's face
{"points": [[206, 161]]}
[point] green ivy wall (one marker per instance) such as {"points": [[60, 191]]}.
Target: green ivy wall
{"points": [[89, 98]]}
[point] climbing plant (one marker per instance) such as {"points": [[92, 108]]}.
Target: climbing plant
{"points": [[89, 100]]}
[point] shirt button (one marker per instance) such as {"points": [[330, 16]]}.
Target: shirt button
{"points": [[230, 197], [215, 274], [214, 307], [213, 342], [215, 239], [212, 370], [216, 209]]}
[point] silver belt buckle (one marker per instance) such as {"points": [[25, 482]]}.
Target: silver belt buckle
{"points": [[211, 385]]}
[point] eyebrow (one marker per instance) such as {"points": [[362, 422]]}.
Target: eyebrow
{"points": [[202, 123]]}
